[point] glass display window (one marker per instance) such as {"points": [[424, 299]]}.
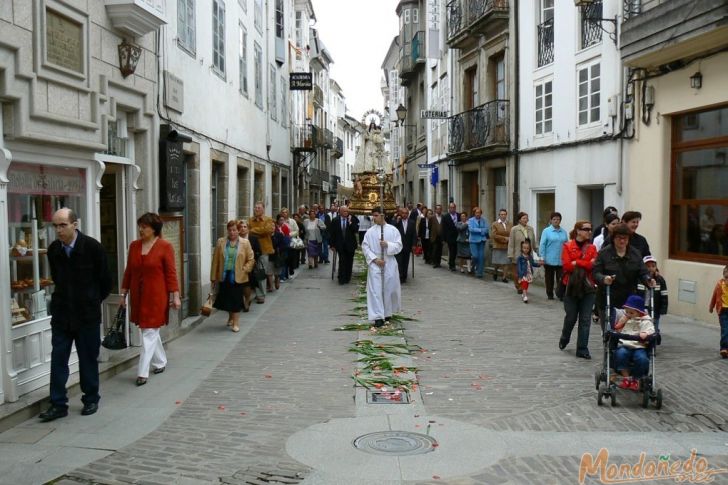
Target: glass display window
{"points": [[35, 192]]}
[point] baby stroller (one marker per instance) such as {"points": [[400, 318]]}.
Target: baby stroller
{"points": [[605, 384]]}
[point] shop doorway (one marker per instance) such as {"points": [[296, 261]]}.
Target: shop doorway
{"points": [[113, 234], [470, 191], [545, 205]]}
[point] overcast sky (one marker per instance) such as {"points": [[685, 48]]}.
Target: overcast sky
{"points": [[357, 34]]}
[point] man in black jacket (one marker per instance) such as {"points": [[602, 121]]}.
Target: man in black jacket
{"points": [[449, 234], [82, 281], [408, 231], [343, 231]]}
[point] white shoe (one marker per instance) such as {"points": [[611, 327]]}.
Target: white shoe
{"points": [[525, 299], [462, 270]]}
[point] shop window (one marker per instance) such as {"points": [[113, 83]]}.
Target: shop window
{"points": [[34, 193], [698, 199]]}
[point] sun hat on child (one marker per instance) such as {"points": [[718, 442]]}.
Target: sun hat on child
{"points": [[636, 303]]}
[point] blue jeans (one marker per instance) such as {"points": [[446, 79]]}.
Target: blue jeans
{"points": [[325, 251], [477, 253], [578, 310], [88, 341], [640, 362], [723, 319]]}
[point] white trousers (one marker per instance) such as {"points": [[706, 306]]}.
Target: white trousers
{"points": [[152, 352]]}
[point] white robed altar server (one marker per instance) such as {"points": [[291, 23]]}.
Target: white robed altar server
{"points": [[382, 300]]}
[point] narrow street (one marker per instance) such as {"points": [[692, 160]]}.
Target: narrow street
{"points": [[275, 402]]}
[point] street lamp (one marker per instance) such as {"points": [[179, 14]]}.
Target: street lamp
{"points": [[401, 114]]}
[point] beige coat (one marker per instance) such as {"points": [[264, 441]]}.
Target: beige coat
{"points": [[517, 236], [244, 260]]}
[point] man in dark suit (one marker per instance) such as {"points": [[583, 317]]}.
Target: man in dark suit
{"points": [[436, 222], [424, 233], [408, 231], [343, 231], [450, 234], [82, 280]]}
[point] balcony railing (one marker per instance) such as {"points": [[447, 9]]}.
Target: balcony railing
{"points": [[318, 136], [318, 95], [328, 139], [302, 138], [591, 24], [546, 43], [633, 8], [319, 176], [463, 14], [338, 150], [455, 18], [480, 127]]}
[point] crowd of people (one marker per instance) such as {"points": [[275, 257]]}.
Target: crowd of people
{"points": [[584, 268]]}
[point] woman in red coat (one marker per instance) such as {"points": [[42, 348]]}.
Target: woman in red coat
{"points": [[577, 257], [151, 280]]}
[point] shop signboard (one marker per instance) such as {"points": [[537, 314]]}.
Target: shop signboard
{"points": [[172, 176]]}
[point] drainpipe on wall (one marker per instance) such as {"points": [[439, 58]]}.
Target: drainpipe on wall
{"points": [[516, 111]]}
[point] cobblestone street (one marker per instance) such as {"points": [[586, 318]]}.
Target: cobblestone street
{"points": [[491, 368]]}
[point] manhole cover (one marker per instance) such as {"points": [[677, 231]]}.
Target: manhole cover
{"points": [[395, 443], [385, 397]]}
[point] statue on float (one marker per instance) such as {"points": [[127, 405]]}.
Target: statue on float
{"points": [[373, 171]]}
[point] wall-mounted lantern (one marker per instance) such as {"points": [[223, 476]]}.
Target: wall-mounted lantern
{"points": [[696, 80], [129, 55]]}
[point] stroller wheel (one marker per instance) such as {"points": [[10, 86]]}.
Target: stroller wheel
{"points": [[658, 399], [597, 379], [613, 398], [645, 398], [600, 396]]}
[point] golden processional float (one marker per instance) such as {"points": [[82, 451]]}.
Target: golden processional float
{"points": [[373, 173]]}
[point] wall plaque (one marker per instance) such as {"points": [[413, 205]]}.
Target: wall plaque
{"points": [[174, 92], [64, 42]]}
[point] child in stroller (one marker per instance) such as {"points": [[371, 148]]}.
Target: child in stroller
{"points": [[630, 357]]}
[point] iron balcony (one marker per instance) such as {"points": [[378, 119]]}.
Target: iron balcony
{"points": [[480, 131], [468, 19]]}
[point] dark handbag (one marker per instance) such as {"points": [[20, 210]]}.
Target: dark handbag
{"points": [[258, 273], [115, 338]]}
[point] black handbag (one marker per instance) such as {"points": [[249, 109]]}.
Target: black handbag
{"points": [[115, 338], [258, 274]]}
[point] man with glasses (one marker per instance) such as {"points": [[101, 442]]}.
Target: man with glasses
{"points": [[82, 280]]}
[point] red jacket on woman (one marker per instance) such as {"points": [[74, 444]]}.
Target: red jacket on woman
{"points": [[150, 279], [583, 256]]}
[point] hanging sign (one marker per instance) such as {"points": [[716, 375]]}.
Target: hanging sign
{"points": [[431, 114], [300, 81], [172, 176]]}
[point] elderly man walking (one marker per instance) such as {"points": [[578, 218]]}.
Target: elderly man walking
{"points": [[82, 281]]}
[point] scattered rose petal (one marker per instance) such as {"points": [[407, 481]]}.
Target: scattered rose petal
{"points": [[432, 421], [436, 477], [221, 407], [178, 402], [435, 445], [417, 416], [243, 414], [268, 376], [418, 425]]}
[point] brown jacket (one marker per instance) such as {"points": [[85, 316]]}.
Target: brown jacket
{"points": [[263, 230], [436, 228], [244, 260], [499, 235]]}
